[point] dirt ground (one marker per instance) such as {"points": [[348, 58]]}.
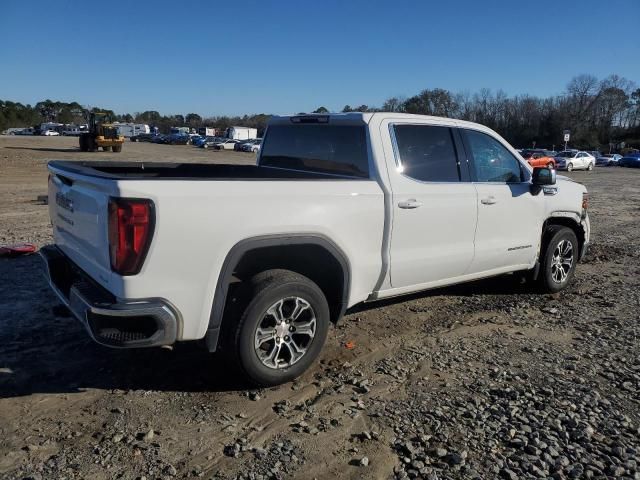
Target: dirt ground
{"points": [[484, 380]]}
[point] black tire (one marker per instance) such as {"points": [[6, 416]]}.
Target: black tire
{"points": [[260, 294], [117, 148], [569, 167], [550, 279], [107, 148], [550, 165]]}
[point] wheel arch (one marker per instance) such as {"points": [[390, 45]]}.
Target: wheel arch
{"points": [[312, 255], [567, 219]]}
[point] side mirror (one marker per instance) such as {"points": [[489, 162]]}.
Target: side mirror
{"points": [[543, 176]]}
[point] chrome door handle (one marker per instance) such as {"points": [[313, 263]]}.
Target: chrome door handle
{"points": [[488, 201], [409, 204]]}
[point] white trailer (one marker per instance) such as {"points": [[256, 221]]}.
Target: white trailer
{"points": [[242, 133], [129, 130], [207, 131]]}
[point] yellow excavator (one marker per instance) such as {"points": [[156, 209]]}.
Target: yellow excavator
{"points": [[102, 133]]}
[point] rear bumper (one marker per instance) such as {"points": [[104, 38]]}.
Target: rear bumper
{"points": [[109, 321]]}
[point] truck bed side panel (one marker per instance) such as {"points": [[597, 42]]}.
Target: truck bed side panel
{"points": [[198, 223]]}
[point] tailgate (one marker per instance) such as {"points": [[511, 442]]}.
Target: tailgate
{"points": [[78, 208]]}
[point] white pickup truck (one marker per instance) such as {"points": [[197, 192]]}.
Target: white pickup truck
{"points": [[259, 260]]}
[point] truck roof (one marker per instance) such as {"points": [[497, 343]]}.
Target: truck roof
{"points": [[367, 117]]}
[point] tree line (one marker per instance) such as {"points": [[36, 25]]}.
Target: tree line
{"points": [[14, 114], [598, 112]]}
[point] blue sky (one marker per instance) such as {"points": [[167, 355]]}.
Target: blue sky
{"points": [[236, 57]]}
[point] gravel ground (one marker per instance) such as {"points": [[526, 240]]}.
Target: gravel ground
{"points": [[484, 380]]}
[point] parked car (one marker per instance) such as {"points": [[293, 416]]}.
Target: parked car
{"points": [[318, 212], [194, 139], [631, 162], [75, 131], [538, 158], [574, 160], [198, 141], [253, 147], [238, 146], [26, 131], [159, 138], [12, 131], [245, 145], [227, 144], [50, 133], [211, 141], [178, 139], [594, 153], [144, 137], [608, 160]]}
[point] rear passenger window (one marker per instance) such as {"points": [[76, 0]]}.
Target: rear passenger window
{"points": [[427, 153], [491, 160]]}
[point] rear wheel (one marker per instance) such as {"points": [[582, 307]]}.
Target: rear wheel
{"points": [[282, 328], [117, 148], [550, 165], [559, 258], [106, 148]]}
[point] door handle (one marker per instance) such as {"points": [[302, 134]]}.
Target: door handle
{"points": [[488, 201], [409, 204]]}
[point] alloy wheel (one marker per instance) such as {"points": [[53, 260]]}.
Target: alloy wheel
{"points": [[285, 332], [562, 261]]}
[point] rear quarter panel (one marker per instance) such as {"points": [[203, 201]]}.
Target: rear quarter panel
{"points": [[198, 222]]}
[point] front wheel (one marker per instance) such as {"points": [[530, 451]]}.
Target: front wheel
{"points": [[282, 328], [569, 167], [590, 167], [559, 258]]}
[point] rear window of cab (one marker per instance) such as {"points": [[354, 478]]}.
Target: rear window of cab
{"points": [[333, 149]]}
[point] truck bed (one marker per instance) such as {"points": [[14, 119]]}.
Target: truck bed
{"points": [[188, 171]]}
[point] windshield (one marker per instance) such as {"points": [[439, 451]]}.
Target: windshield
{"points": [[334, 149]]}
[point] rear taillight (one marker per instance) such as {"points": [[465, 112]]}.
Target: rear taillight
{"points": [[131, 223]]}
